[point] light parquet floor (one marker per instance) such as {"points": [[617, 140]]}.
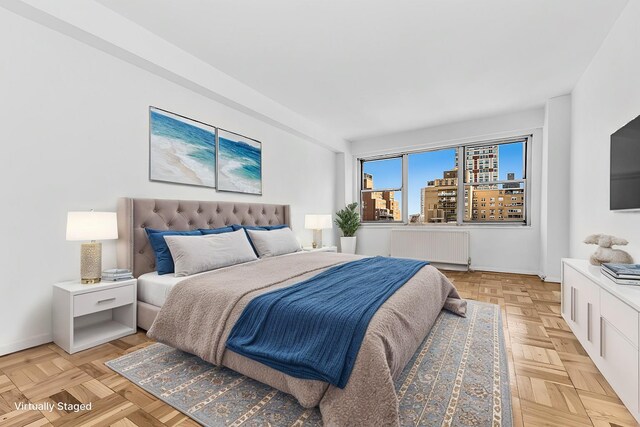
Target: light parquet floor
{"points": [[553, 381]]}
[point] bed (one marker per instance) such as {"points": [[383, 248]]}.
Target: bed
{"points": [[197, 314], [135, 253]]}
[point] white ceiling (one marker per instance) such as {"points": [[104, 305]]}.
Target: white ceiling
{"points": [[365, 68]]}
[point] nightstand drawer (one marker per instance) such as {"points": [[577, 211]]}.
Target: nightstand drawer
{"points": [[93, 302]]}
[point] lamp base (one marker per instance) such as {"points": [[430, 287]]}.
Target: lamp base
{"points": [[91, 263], [317, 239]]}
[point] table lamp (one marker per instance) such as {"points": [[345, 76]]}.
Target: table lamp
{"points": [[317, 223], [91, 226]]}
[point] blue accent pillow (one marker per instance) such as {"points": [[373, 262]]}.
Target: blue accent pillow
{"points": [[206, 231], [164, 260], [237, 227]]}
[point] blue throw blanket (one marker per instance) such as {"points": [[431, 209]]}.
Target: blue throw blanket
{"points": [[314, 329]]}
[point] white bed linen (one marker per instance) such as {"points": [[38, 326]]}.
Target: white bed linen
{"points": [[154, 289]]}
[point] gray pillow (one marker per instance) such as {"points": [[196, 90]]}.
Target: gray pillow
{"points": [[270, 243], [195, 254]]}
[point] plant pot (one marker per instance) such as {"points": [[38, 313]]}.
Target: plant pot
{"points": [[348, 245]]}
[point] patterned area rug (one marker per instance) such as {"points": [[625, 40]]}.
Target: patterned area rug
{"points": [[458, 377]]}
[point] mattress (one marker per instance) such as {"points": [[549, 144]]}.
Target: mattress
{"points": [[154, 289]]}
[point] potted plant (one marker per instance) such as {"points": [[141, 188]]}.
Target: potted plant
{"points": [[348, 220]]}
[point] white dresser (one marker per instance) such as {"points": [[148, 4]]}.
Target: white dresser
{"points": [[605, 317]]}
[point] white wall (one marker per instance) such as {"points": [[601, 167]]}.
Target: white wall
{"points": [[344, 187], [102, 28], [469, 130], [494, 248], [554, 204], [75, 137], [606, 97]]}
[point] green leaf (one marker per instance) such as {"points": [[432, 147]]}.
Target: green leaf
{"points": [[348, 220]]}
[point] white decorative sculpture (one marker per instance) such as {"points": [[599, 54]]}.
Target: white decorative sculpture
{"points": [[605, 253]]}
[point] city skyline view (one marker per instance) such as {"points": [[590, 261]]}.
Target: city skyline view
{"points": [[430, 165]]}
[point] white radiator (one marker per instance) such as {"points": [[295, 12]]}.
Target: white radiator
{"points": [[436, 246]]}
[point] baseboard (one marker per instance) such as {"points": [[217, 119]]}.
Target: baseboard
{"points": [[552, 279], [450, 267], [504, 270], [26, 343]]}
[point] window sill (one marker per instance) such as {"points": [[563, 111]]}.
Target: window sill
{"points": [[448, 227]]}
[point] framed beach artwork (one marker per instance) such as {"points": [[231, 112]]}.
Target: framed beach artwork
{"points": [[239, 164], [181, 150]]}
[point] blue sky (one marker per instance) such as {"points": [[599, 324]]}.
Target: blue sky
{"points": [[430, 165]]}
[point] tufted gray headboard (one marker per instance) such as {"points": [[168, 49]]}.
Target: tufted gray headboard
{"points": [[134, 215]]}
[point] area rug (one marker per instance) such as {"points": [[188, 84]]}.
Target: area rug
{"points": [[458, 377]]}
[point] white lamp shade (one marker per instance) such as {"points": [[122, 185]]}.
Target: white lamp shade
{"points": [[317, 222], [92, 226]]}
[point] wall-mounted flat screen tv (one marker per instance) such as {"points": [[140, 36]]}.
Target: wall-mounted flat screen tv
{"points": [[625, 167]]}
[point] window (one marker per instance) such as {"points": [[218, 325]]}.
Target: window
{"points": [[447, 186], [381, 190], [503, 177], [433, 186]]}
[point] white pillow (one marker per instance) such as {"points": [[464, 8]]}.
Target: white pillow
{"points": [[195, 254], [270, 243]]}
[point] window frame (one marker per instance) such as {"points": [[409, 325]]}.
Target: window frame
{"points": [[404, 156], [526, 161]]}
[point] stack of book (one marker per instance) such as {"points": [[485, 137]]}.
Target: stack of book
{"points": [[622, 274], [116, 274]]}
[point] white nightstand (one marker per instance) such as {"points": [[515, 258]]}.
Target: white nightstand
{"points": [[322, 249], [85, 316]]}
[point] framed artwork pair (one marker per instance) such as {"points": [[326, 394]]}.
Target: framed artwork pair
{"points": [[187, 151]]}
